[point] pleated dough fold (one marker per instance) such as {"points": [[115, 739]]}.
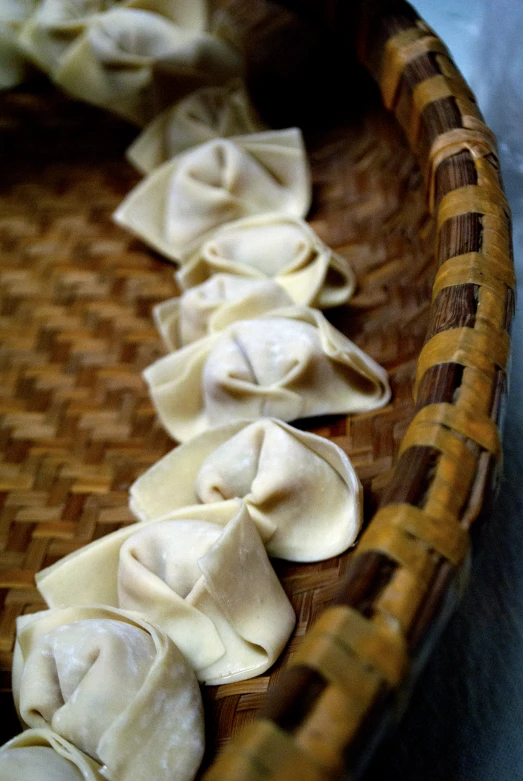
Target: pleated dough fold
{"points": [[213, 305], [183, 201], [114, 61], [13, 61], [209, 112], [289, 364], [276, 246], [115, 686], [42, 755], [202, 575], [49, 32], [54, 26], [300, 489]]}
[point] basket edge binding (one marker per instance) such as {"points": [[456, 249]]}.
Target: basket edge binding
{"points": [[350, 677]]}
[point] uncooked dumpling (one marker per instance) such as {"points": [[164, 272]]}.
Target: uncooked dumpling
{"points": [[172, 570], [202, 575], [209, 112], [115, 686], [181, 202], [56, 24], [42, 755], [50, 31], [300, 489], [288, 364], [211, 306], [112, 64], [275, 246]]}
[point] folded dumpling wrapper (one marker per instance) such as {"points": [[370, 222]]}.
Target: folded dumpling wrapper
{"points": [[112, 64], [49, 32], [290, 363], [202, 575], [179, 205], [215, 304], [276, 246], [115, 686], [13, 61], [301, 490], [209, 112], [43, 755], [54, 26]]}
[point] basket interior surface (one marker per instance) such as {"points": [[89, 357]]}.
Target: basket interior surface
{"points": [[76, 424]]}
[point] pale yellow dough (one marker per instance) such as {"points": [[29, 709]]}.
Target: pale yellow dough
{"points": [[289, 364], [180, 204], [115, 686], [13, 61], [42, 755], [300, 489], [55, 24], [276, 246], [135, 62], [209, 112], [202, 575], [216, 303]]}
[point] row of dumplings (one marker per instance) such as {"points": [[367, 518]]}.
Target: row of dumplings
{"points": [[106, 680], [246, 338], [133, 57], [102, 692]]}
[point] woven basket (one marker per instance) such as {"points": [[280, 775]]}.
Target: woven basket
{"points": [[407, 187]]}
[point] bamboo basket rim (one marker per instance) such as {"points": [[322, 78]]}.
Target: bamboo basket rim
{"points": [[407, 572]]}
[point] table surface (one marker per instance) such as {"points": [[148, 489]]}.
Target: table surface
{"points": [[464, 719]]}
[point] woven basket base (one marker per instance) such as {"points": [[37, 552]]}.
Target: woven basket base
{"points": [[76, 424]]}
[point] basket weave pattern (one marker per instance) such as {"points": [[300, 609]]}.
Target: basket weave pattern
{"points": [[76, 421]]}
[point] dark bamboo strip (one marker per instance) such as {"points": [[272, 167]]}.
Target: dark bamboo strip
{"points": [[367, 575], [454, 307], [456, 171], [289, 703], [412, 477], [459, 235], [440, 384], [437, 118], [423, 67], [418, 70]]}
